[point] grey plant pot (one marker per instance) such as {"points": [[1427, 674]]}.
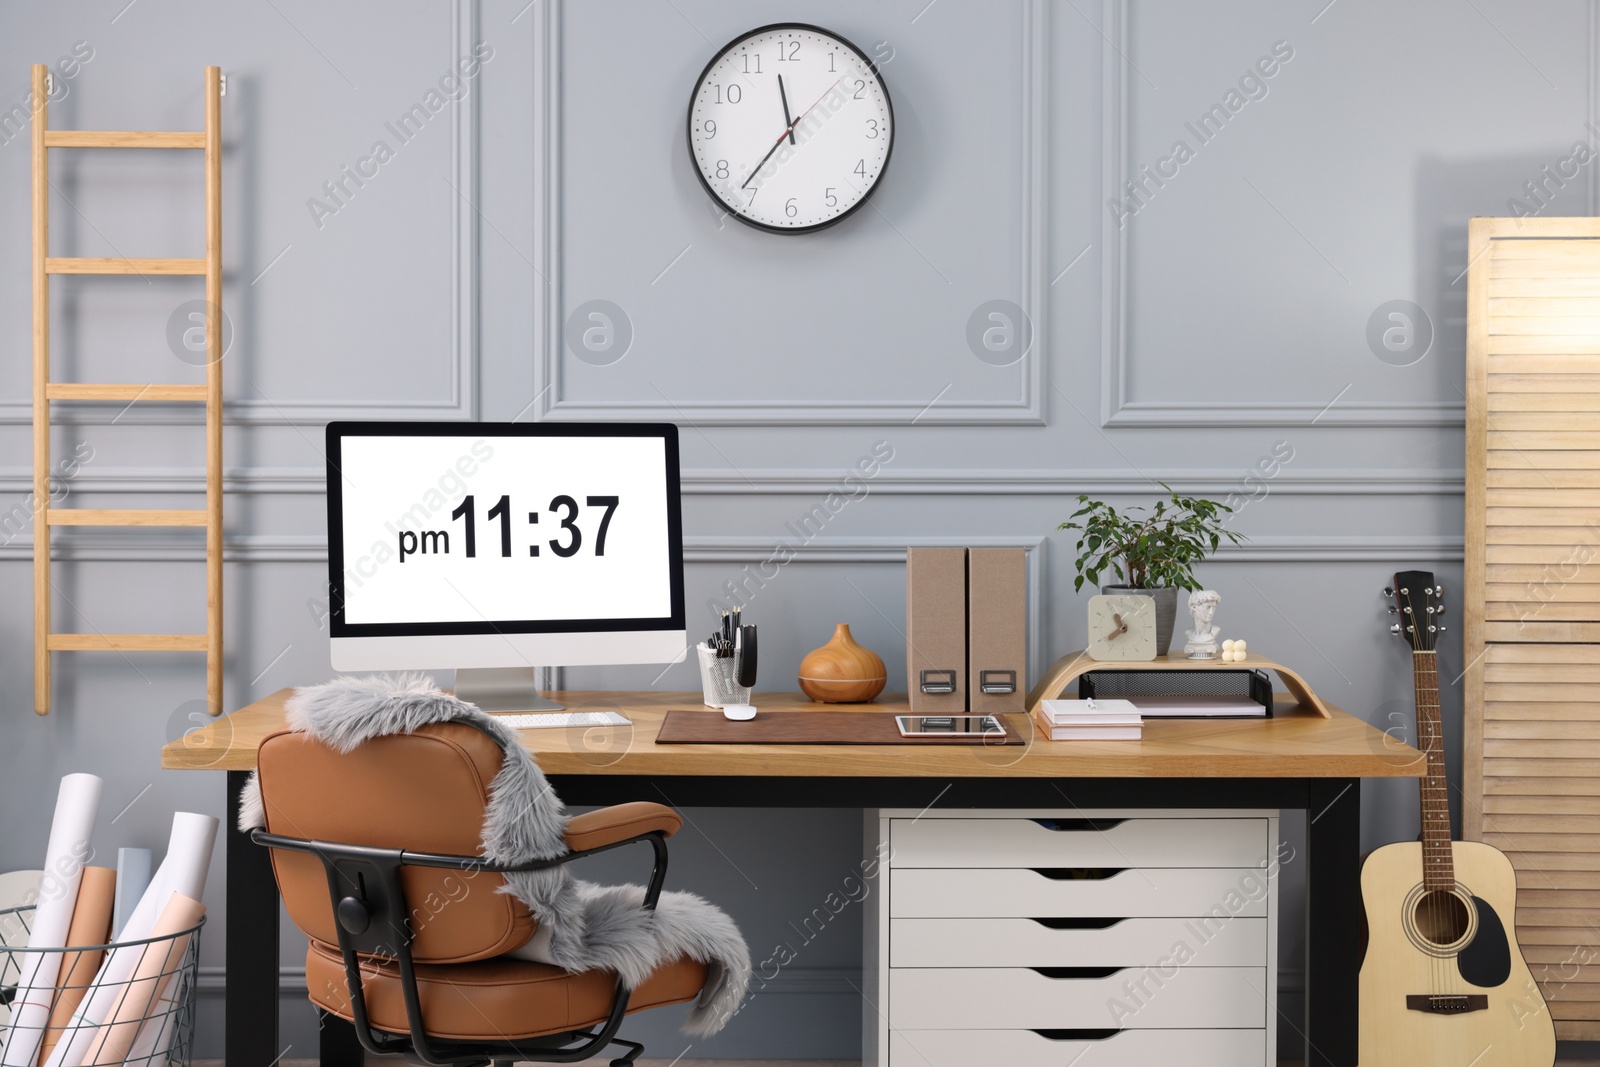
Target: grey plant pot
{"points": [[1166, 610]]}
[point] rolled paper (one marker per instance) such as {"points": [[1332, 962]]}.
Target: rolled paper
{"points": [[91, 925], [68, 849], [139, 1001], [183, 868], [133, 878]]}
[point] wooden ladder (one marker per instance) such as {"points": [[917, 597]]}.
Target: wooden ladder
{"points": [[45, 391]]}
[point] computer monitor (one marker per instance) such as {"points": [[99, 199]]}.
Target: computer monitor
{"points": [[493, 548]]}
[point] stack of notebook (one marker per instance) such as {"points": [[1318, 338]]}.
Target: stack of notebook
{"points": [[1089, 720]]}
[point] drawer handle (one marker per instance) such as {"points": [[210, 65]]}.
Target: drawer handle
{"points": [[938, 681], [1077, 972], [1079, 923], [1078, 874], [1080, 825], [1077, 1035]]}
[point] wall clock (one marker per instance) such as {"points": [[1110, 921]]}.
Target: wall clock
{"points": [[790, 128], [1122, 628]]}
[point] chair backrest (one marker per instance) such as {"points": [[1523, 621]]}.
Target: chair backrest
{"points": [[425, 791]]}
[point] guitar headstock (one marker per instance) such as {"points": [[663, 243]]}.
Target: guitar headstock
{"points": [[1419, 601]]}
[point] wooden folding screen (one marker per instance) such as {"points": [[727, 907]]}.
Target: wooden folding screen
{"points": [[1532, 596]]}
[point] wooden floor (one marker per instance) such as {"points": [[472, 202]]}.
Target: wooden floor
{"points": [[767, 1063]]}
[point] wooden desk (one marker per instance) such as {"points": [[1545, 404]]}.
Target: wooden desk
{"points": [[1297, 759]]}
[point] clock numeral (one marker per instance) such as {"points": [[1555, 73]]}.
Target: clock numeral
{"points": [[722, 168], [831, 68], [827, 194], [610, 504], [734, 94], [789, 208], [861, 87], [569, 524], [502, 511], [752, 199], [710, 128], [861, 169], [788, 52], [872, 129], [747, 69]]}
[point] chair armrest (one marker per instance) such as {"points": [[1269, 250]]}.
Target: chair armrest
{"points": [[620, 822]]}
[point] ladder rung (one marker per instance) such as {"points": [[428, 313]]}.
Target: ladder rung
{"points": [[124, 517], [122, 265], [81, 391], [123, 139], [128, 643]]}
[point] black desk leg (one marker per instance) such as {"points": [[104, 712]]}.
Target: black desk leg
{"points": [[1333, 921], [251, 1011], [339, 1045]]}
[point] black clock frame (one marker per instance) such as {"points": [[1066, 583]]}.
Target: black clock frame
{"points": [[689, 128]]}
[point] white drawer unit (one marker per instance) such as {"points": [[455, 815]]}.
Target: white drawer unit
{"points": [[1125, 1048], [1077, 841], [1184, 892], [1238, 942], [1083, 937]]}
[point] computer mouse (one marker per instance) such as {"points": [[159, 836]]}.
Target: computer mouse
{"points": [[739, 712]]}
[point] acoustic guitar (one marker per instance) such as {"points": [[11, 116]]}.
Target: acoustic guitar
{"points": [[1443, 981]]}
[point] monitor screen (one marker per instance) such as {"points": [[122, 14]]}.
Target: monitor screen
{"points": [[503, 528]]}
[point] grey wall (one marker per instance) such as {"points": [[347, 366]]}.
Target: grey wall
{"points": [[1224, 319]]}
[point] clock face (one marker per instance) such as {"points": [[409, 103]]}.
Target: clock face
{"points": [[790, 128], [1122, 628]]}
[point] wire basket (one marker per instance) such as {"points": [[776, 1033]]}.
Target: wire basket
{"points": [[147, 1019]]}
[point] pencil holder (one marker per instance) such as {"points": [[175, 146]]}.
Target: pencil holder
{"points": [[719, 679]]}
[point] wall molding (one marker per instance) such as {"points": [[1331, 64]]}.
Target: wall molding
{"points": [[1033, 237], [1117, 406], [817, 481], [259, 410], [161, 547]]}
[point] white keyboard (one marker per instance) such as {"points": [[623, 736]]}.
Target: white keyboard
{"points": [[536, 720]]}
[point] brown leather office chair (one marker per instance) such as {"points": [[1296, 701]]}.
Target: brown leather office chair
{"points": [[375, 853]]}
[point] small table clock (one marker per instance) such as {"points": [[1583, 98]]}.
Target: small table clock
{"points": [[1122, 628]]}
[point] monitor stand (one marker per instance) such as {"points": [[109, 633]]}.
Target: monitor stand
{"points": [[503, 689]]}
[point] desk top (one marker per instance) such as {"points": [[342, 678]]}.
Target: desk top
{"points": [[1297, 742]]}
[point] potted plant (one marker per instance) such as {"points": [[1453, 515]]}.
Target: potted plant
{"points": [[1151, 551]]}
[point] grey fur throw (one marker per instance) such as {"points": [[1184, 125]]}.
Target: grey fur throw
{"points": [[582, 926]]}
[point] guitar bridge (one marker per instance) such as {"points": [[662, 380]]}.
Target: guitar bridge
{"points": [[1447, 1004]]}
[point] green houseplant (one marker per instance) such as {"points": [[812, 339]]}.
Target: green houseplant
{"points": [[1149, 550]]}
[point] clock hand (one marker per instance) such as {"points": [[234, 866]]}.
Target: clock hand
{"points": [[785, 98], [1122, 628], [788, 130]]}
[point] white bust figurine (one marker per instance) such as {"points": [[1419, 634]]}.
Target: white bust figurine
{"points": [[1202, 643]]}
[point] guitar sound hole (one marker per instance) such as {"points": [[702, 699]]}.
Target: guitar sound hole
{"points": [[1441, 917]]}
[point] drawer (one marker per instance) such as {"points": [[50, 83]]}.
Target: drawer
{"points": [[1029, 943], [1127, 1048], [926, 893], [1006, 998], [1079, 842]]}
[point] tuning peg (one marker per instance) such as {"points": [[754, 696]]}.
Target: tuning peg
{"points": [[1404, 591], [1439, 610], [1438, 590], [1442, 629], [1393, 610], [1394, 628], [1388, 592]]}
